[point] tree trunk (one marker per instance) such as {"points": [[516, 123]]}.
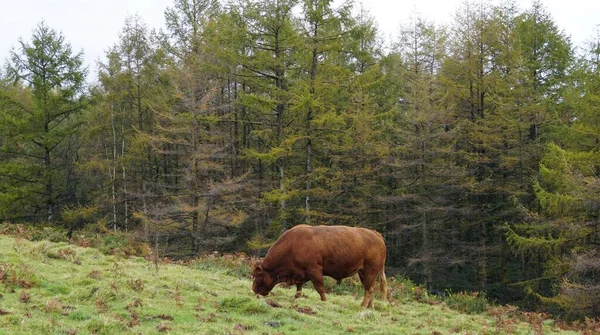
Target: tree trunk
{"points": [[279, 83], [196, 204], [113, 170], [309, 116], [124, 175], [49, 185], [426, 247]]}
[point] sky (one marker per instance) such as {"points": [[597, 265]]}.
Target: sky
{"points": [[93, 26]]}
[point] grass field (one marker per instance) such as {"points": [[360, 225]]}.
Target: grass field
{"points": [[58, 288]]}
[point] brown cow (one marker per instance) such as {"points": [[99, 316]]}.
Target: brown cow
{"points": [[306, 253]]}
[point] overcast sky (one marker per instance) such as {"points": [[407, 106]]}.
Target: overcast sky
{"points": [[94, 25]]}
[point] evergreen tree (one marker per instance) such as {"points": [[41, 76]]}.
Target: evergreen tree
{"points": [[562, 233], [321, 36], [40, 124], [421, 47], [131, 85], [200, 199], [546, 50], [269, 56]]}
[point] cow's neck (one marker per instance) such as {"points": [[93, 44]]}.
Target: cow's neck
{"points": [[278, 271], [285, 279]]}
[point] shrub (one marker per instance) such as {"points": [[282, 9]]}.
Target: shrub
{"points": [[471, 303], [234, 265], [52, 234]]}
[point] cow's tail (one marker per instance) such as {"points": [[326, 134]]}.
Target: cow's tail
{"points": [[383, 284]]}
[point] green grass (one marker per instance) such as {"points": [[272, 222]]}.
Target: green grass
{"points": [[57, 288]]}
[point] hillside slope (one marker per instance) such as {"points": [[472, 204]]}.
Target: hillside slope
{"points": [[57, 288]]}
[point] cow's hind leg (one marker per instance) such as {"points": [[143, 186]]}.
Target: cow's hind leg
{"points": [[383, 285], [368, 281], [299, 290]]}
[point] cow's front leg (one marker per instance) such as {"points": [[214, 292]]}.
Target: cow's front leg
{"points": [[316, 277], [298, 290]]}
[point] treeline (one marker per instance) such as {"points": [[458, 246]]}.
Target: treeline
{"points": [[473, 147]]}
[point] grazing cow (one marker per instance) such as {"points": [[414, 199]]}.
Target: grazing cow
{"points": [[306, 253]]}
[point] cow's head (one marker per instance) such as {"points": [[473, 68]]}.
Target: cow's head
{"points": [[262, 281]]}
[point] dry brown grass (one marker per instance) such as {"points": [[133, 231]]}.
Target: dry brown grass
{"points": [[95, 274]]}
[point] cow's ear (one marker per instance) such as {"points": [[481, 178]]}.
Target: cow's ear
{"points": [[258, 268]]}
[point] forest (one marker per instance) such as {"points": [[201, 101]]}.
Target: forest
{"points": [[473, 147]]}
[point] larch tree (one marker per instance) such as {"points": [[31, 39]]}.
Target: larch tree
{"points": [[321, 36], [562, 230], [337, 105], [188, 133], [482, 76], [423, 158], [536, 113], [196, 130], [130, 83], [40, 124], [267, 70], [467, 77]]}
